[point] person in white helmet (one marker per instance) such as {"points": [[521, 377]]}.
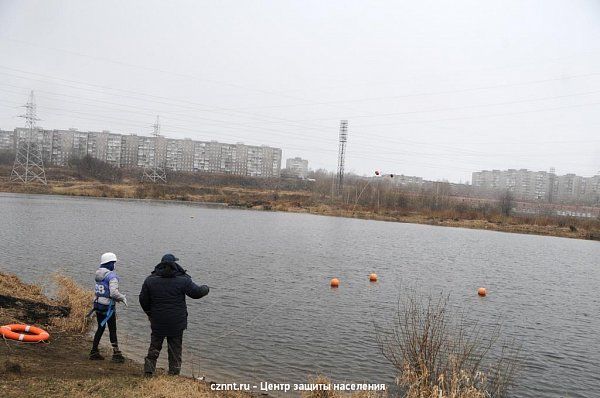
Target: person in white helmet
{"points": [[107, 294]]}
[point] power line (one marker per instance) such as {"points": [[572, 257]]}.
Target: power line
{"points": [[260, 128], [145, 67], [553, 97], [441, 92], [286, 144], [321, 128], [482, 116]]}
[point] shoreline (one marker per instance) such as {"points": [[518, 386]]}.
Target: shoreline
{"points": [[25, 369], [60, 367], [289, 202]]}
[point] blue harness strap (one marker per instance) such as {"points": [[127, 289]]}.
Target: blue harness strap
{"points": [[109, 313]]}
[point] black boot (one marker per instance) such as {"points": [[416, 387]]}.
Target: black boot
{"points": [[95, 355], [118, 356]]}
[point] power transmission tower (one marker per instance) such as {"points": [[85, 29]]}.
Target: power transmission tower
{"points": [[342, 156], [154, 172], [28, 166]]}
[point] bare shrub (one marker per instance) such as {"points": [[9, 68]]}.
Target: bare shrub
{"points": [[7, 157], [89, 167], [439, 354]]}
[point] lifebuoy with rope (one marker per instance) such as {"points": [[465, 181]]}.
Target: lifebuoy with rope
{"points": [[28, 333]]}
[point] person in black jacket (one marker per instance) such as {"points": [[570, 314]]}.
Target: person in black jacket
{"points": [[163, 299]]}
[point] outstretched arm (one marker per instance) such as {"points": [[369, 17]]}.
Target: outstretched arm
{"points": [[194, 291]]}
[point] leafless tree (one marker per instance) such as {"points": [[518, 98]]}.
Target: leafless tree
{"points": [[506, 203], [89, 167]]}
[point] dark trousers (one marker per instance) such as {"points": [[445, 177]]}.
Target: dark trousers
{"points": [[112, 329], [174, 344]]}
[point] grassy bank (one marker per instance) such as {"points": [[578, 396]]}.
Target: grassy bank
{"points": [[61, 368], [305, 201]]}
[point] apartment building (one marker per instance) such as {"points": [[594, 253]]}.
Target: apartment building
{"points": [[297, 167], [58, 146], [537, 185], [7, 140], [129, 150]]}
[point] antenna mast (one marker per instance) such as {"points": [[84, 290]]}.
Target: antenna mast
{"points": [[154, 172], [29, 166], [341, 156]]}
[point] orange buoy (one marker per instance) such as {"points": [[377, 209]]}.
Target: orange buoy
{"points": [[37, 334], [373, 277], [335, 282], [482, 292]]}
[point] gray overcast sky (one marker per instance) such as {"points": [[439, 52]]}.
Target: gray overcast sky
{"points": [[430, 88]]}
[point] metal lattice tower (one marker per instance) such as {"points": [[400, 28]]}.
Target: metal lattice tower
{"points": [[154, 172], [341, 155], [29, 166]]}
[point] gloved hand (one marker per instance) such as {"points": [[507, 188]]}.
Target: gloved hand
{"points": [[125, 301]]}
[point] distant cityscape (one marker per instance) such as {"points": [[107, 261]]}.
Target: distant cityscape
{"points": [[539, 185], [525, 185], [131, 150]]}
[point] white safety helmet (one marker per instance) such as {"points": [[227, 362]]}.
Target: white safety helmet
{"points": [[107, 258]]}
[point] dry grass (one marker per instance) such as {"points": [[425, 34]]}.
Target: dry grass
{"points": [[11, 285], [438, 354], [78, 299], [337, 394], [167, 387], [126, 386]]}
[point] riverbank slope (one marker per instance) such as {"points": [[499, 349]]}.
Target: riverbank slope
{"points": [[60, 368]]}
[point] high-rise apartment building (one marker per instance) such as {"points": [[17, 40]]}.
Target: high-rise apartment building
{"points": [[537, 185], [297, 167], [131, 150]]}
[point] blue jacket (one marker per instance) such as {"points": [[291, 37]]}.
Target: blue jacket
{"points": [[163, 298]]}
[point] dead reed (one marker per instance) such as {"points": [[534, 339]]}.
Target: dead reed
{"points": [[439, 354], [78, 299]]}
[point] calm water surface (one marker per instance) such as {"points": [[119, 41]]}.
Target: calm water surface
{"points": [[271, 316]]}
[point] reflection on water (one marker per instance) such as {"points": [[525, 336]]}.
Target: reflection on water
{"points": [[271, 315]]}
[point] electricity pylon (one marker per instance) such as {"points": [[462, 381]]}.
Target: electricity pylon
{"points": [[154, 172], [29, 166]]}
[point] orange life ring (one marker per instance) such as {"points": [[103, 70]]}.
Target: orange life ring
{"points": [[37, 334]]}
